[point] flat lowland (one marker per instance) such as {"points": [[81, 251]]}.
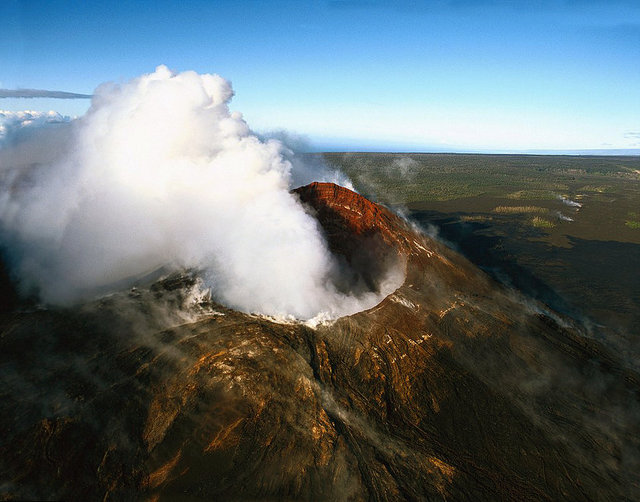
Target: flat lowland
{"points": [[563, 229]]}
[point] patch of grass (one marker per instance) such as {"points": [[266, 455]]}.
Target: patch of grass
{"points": [[532, 194], [633, 221], [475, 217], [542, 223], [519, 209], [453, 191], [597, 188]]}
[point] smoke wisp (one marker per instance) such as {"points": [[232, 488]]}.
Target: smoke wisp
{"points": [[160, 173]]}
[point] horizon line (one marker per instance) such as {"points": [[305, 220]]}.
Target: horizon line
{"points": [[613, 152]]}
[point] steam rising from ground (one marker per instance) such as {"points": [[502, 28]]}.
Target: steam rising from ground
{"points": [[159, 173]]}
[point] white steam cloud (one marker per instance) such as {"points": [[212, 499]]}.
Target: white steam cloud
{"points": [[159, 173], [568, 202]]}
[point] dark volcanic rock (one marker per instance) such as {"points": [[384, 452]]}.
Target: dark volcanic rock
{"points": [[451, 388]]}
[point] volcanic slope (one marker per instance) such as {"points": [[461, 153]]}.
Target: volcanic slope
{"points": [[452, 388]]}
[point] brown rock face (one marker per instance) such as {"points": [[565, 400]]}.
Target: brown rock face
{"points": [[369, 238], [452, 388], [346, 216]]}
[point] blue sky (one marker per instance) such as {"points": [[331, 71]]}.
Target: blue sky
{"points": [[452, 75]]}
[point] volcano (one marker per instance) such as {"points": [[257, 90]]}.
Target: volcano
{"points": [[451, 388]]}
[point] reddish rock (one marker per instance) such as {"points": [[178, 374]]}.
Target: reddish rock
{"points": [[347, 216]]}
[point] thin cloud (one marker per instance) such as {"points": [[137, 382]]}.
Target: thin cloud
{"points": [[41, 93]]}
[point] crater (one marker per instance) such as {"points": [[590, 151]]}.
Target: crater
{"points": [[367, 240]]}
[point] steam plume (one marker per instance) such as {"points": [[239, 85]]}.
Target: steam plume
{"points": [[160, 173]]}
